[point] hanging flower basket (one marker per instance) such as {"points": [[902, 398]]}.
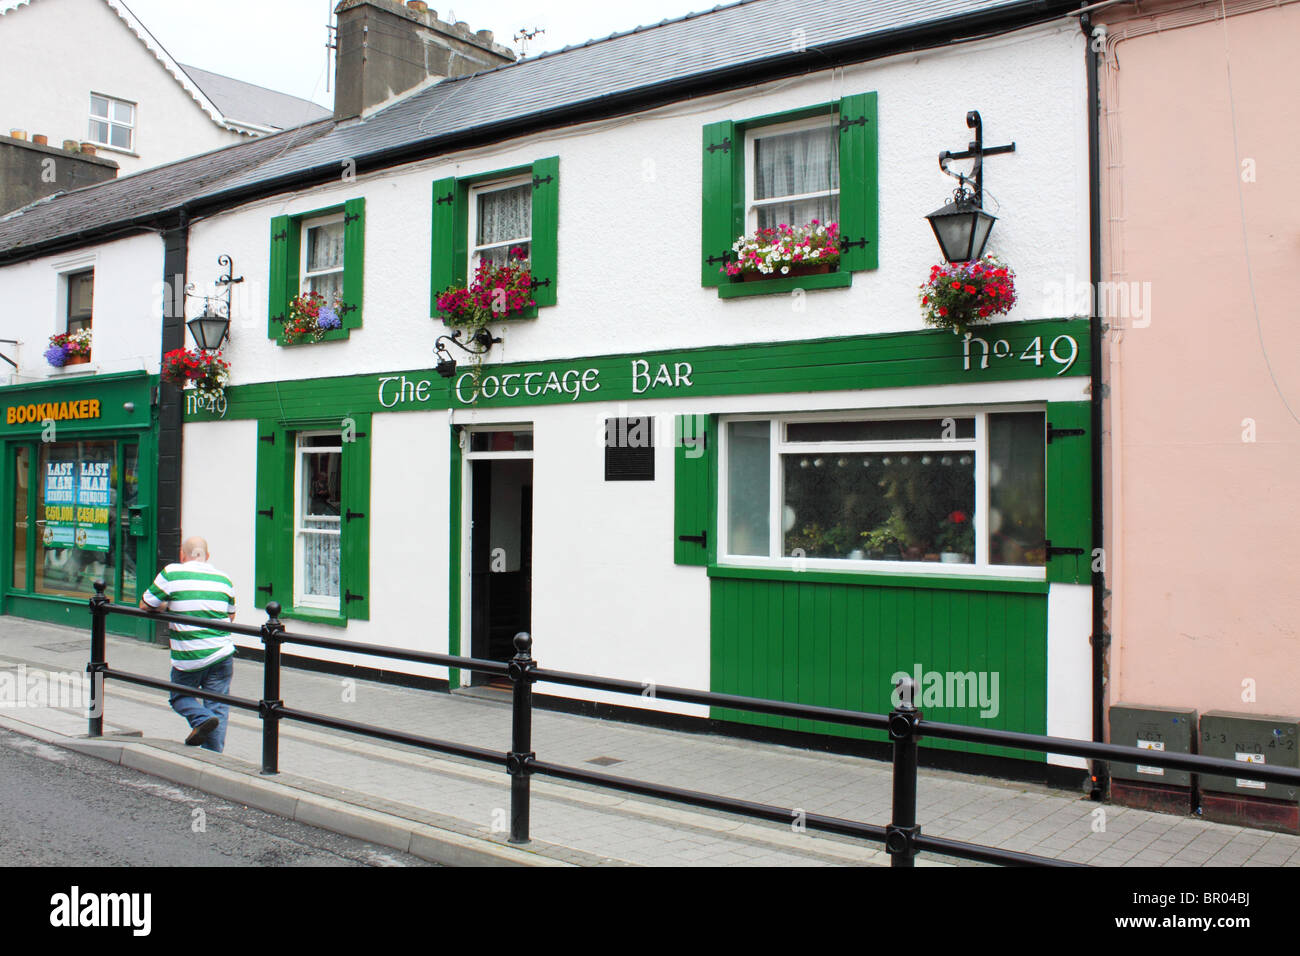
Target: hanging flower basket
{"points": [[786, 251], [961, 294], [311, 315], [207, 372], [69, 348], [496, 292]]}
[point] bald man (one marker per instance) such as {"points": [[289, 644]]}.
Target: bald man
{"points": [[202, 657]]}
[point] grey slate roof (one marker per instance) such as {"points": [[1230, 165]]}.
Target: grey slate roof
{"points": [[723, 38], [242, 102], [147, 193], [729, 38]]}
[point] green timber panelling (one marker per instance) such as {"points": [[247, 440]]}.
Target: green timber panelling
{"points": [[446, 266], [1069, 492], [859, 186], [273, 567], [356, 521], [545, 255], [453, 555], [354, 262], [693, 494], [838, 645], [278, 281], [723, 213]]}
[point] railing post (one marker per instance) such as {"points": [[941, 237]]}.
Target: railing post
{"points": [[901, 834], [269, 706], [98, 649], [519, 760]]}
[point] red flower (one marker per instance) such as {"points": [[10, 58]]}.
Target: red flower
{"points": [[956, 285], [957, 517], [970, 290]]}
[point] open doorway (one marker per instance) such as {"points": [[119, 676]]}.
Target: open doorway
{"points": [[500, 542]]}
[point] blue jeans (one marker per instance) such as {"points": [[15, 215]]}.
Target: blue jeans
{"points": [[216, 678]]}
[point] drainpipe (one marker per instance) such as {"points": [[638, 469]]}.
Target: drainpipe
{"points": [[1100, 639]]}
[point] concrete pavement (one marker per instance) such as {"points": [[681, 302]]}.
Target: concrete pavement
{"points": [[453, 811]]}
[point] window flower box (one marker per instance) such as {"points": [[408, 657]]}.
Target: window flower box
{"points": [[785, 251], [497, 292], [310, 317], [69, 348]]}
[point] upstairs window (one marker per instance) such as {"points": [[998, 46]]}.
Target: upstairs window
{"points": [[319, 251], [112, 122], [817, 163], [794, 174], [486, 217], [322, 257], [81, 300], [502, 222]]}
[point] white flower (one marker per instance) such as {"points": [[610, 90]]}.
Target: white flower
{"points": [[784, 270]]}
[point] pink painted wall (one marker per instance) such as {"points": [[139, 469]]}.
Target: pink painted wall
{"points": [[1203, 526]]}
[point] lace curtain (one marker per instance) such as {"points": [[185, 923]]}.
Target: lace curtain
{"points": [[504, 215], [793, 164]]}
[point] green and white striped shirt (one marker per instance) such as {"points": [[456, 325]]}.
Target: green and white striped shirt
{"points": [[196, 589]]}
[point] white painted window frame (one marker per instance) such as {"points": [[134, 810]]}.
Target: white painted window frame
{"points": [[303, 273], [316, 602], [778, 446], [479, 189], [110, 122], [752, 137]]}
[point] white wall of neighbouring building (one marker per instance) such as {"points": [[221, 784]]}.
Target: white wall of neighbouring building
{"points": [[58, 52], [127, 317]]}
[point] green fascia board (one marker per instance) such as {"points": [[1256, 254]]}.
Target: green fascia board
{"points": [[113, 391], [917, 581], [785, 284], [853, 363]]}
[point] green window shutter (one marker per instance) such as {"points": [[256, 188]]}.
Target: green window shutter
{"points": [[545, 230], [722, 216], [859, 182], [278, 300], [356, 522], [272, 564], [354, 262], [1069, 492], [448, 250], [693, 490]]}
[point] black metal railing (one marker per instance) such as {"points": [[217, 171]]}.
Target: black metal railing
{"points": [[902, 837]]}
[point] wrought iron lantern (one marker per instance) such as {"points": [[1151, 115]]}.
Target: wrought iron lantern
{"points": [[212, 329], [962, 227], [478, 344]]}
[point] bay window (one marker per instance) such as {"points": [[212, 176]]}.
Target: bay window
{"points": [[962, 492]]}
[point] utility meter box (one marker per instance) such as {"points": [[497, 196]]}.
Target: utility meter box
{"points": [[1158, 729], [1250, 738]]}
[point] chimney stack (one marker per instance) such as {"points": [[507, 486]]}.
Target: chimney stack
{"points": [[386, 48]]}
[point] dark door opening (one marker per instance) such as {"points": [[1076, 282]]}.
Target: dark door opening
{"points": [[501, 557]]}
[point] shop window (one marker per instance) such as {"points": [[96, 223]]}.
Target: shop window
{"points": [[22, 525], [963, 492], [629, 449], [494, 217], [112, 122], [313, 519], [81, 300], [321, 251], [812, 164]]}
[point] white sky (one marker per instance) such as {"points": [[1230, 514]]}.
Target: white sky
{"points": [[281, 43]]}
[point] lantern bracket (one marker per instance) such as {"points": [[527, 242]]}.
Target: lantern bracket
{"points": [[976, 150]]}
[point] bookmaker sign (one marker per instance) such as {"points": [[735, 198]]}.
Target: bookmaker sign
{"points": [[38, 412]]}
